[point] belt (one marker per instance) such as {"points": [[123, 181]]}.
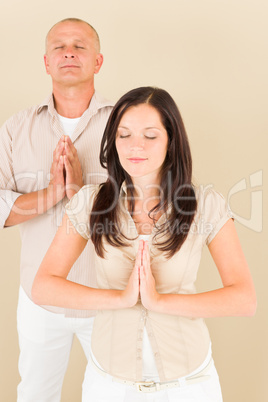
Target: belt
{"points": [[152, 386]]}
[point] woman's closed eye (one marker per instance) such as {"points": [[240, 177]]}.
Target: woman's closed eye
{"points": [[123, 135], [150, 137]]}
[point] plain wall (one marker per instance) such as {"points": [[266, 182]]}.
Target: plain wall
{"points": [[212, 57]]}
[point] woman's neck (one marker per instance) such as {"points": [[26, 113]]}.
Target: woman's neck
{"points": [[146, 187], [146, 196]]}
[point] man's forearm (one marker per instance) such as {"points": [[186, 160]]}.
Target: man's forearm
{"points": [[28, 206]]}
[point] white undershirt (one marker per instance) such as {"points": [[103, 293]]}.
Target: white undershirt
{"points": [[68, 125], [149, 370]]}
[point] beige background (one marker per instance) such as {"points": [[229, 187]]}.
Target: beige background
{"points": [[212, 56]]}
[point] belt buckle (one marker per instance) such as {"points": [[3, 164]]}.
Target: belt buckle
{"points": [[146, 384]]}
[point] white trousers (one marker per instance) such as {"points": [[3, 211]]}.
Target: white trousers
{"points": [[98, 388], [45, 341]]}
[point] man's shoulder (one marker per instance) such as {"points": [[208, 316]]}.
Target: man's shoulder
{"points": [[101, 100], [26, 114], [99, 103]]}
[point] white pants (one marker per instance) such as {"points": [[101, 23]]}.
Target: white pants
{"points": [[98, 388], [45, 341]]}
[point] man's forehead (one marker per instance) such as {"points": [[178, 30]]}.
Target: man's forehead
{"points": [[72, 30], [69, 28]]}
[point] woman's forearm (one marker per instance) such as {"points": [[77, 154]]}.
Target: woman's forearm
{"points": [[237, 297], [52, 288], [60, 292], [227, 301]]}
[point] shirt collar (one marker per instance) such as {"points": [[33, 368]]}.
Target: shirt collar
{"points": [[47, 102], [97, 102]]}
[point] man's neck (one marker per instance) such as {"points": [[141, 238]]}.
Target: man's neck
{"points": [[71, 102]]}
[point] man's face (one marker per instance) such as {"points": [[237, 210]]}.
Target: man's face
{"points": [[72, 55]]}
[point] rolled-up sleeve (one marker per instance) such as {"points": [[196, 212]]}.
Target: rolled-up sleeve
{"points": [[7, 200], [8, 193]]}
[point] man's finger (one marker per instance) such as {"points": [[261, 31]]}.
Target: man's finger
{"points": [[67, 164], [59, 150], [69, 144], [71, 153]]}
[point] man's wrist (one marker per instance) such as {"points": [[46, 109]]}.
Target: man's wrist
{"points": [[52, 196]]}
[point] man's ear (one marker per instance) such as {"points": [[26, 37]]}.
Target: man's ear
{"points": [[99, 61], [46, 63]]}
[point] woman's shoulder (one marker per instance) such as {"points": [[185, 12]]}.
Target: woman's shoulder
{"points": [[208, 197], [213, 210], [84, 197]]}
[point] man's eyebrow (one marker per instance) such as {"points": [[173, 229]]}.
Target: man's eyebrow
{"points": [[79, 40], [62, 40]]}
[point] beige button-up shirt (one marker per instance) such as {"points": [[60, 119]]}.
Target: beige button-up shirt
{"points": [[27, 142], [180, 344]]}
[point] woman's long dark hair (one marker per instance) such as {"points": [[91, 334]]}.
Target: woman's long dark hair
{"points": [[177, 196]]}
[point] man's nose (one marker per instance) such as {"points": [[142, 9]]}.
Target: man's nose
{"points": [[69, 53]]}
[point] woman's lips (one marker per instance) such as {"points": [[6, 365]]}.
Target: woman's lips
{"points": [[137, 160]]}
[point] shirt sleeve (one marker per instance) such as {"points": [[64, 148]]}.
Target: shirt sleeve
{"points": [[215, 213], [8, 193], [79, 208]]}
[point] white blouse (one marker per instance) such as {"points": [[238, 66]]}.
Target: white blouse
{"points": [[149, 370]]}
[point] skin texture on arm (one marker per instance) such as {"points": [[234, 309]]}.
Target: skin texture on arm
{"points": [[236, 298], [28, 206], [51, 287]]}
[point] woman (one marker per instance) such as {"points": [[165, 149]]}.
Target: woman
{"points": [[148, 225]]}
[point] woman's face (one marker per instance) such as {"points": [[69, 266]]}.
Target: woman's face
{"points": [[141, 142]]}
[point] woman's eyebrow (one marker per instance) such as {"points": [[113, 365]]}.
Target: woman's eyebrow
{"points": [[146, 128], [125, 128], [152, 128]]}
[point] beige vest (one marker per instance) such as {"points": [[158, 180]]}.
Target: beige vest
{"points": [[179, 344]]}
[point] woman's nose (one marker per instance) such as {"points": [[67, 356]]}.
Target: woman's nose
{"points": [[137, 143]]}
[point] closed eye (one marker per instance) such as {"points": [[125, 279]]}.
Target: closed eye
{"points": [[124, 135]]}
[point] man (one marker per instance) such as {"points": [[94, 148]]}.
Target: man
{"points": [[41, 168]]}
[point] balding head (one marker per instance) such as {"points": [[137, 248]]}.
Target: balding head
{"points": [[77, 21]]}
